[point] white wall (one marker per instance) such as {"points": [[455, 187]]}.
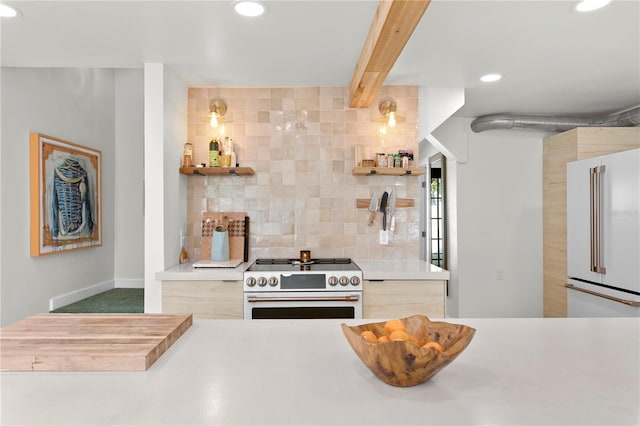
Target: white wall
{"points": [[76, 105], [165, 106], [499, 225], [175, 136], [1, 198], [98, 108], [129, 179], [494, 213], [154, 185]]}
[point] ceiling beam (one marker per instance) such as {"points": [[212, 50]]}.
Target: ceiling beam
{"points": [[390, 30]]}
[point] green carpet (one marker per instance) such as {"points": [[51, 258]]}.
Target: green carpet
{"points": [[117, 300]]}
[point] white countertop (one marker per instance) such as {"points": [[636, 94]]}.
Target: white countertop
{"points": [[371, 270], [400, 270], [560, 371], [186, 272]]}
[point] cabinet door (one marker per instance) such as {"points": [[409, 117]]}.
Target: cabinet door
{"points": [[203, 299], [578, 219], [621, 219], [399, 299]]}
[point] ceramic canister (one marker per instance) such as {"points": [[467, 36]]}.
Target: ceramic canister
{"points": [[220, 245]]}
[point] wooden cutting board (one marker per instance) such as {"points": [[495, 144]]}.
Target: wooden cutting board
{"points": [[89, 342]]}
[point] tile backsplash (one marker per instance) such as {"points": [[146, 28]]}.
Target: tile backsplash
{"points": [[300, 142]]}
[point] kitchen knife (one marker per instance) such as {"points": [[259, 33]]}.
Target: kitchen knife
{"points": [[373, 207], [383, 209], [392, 211]]}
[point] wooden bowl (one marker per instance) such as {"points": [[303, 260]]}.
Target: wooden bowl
{"points": [[405, 363]]}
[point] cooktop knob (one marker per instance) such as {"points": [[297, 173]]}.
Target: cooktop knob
{"points": [[355, 280], [333, 281], [251, 281], [273, 281], [344, 280], [262, 281]]}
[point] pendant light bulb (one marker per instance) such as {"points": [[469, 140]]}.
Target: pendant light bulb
{"points": [[388, 111], [392, 119], [216, 115]]}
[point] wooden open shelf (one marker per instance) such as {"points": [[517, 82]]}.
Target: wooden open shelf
{"points": [[216, 171], [387, 171]]}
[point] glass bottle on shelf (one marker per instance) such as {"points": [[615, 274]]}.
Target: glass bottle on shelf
{"points": [[187, 156], [214, 153]]}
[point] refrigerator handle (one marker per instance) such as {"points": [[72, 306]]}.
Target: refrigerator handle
{"points": [[595, 203], [605, 296]]}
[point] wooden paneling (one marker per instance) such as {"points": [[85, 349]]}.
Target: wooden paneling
{"points": [[576, 144], [89, 342], [204, 299], [399, 299], [595, 141]]}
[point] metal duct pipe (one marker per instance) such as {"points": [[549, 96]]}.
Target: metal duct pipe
{"points": [[627, 118]]}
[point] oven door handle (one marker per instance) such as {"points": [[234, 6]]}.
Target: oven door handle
{"points": [[345, 298]]}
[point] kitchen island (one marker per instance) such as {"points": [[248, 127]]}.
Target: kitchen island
{"points": [[300, 372]]}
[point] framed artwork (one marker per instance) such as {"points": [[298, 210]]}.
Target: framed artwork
{"points": [[66, 195]]}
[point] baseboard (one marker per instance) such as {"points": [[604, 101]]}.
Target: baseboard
{"points": [[130, 283], [83, 293]]}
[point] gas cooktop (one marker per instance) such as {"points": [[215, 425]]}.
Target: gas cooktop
{"points": [[284, 265]]}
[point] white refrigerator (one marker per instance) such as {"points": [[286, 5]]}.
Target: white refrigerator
{"points": [[603, 236]]}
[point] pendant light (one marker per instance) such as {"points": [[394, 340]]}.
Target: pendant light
{"points": [[217, 110], [389, 110]]}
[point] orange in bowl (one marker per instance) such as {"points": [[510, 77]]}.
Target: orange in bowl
{"points": [[435, 345], [405, 362], [402, 336], [393, 325], [369, 336]]}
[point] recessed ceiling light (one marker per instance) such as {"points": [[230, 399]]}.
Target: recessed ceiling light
{"points": [[589, 5], [7, 11], [249, 8], [490, 77]]}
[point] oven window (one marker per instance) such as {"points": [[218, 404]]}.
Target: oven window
{"points": [[300, 281], [304, 312]]}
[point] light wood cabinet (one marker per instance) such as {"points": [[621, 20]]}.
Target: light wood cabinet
{"points": [[203, 299], [399, 299], [575, 144]]}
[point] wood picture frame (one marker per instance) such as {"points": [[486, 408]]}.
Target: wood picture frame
{"points": [[65, 195]]}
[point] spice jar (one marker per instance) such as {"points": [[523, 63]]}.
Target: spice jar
{"points": [[405, 161]]}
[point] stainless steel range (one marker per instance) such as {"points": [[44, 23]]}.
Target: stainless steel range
{"points": [[290, 288]]}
